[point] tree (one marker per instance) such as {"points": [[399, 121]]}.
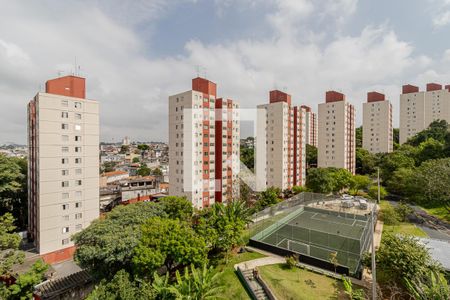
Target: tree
{"points": [[13, 188], [403, 211], [297, 189], [144, 170], [121, 287], [268, 198], [177, 207], [320, 180], [143, 147], [334, 261], [124, 149], [342, 178], [24, 284], [394, 161], [359, 182], [107, 245], [135, 160], [108, 166], [9, 245], [373, 192], [402, 182], [354, 294], [311, 156], [365, 162], [432, 182], [430, 149], [396, 135], [359, 137], [403, 257], [248, 156], [157, 172], [201, 284], [437, 130], [169, 243]]}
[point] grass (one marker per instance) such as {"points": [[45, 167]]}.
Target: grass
{"points": [[402, 227], [438, 212], [233, 288], [298, 283]]}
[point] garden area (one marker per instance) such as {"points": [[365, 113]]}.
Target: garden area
{"points": [[395, 220], [296, 283]]}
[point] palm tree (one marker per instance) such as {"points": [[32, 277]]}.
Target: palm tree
{"points": [[198, 284]]}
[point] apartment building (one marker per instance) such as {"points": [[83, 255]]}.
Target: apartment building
{"points": [[336, 138], [310, 126], [203, 145], [377, 124], [63, 176], [419, 108], [280, 143]]}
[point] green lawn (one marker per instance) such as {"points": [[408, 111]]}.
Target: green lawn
{"points": [[298, 283], [403, 227], [233, 288]]}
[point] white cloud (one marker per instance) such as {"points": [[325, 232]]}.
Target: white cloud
{"points": [[133, 88]]}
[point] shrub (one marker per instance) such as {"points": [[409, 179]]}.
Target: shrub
{"points": [[390, 216], [403, 210], [291, 261]]}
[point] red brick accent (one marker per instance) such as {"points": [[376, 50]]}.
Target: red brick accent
{"points": [[279, 96], [218, 145], [333, 96], [306, 108], [375, 96], [408, 89], [434, 87], [71, 86], [205, 86], [59, 255]]}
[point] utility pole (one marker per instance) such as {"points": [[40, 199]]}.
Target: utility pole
{"points": [[378, 200], [374, 275]]}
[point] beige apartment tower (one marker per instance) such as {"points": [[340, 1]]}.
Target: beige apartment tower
{"points": [[418, 109], [336, 138], [63, 176], [203, 145], [280, 157], [377, 124], [310, 126]]}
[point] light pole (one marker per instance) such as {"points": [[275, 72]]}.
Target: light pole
{"points": [[374, 276]]}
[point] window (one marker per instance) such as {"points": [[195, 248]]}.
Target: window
{"points": [[77, 204], [64, 161], [77, 104], [64, 172], [78, 182], [78, 227], [78, 116], [77, 138], [78, 216], [64, 126], [77, 127], [65, 229], [78, 160], [77, 149], [65, 195], [64, 103], [64, 114], [65, 206], [78, 171], [65, 241], [65, 138], [65, 149], [64, 183]]}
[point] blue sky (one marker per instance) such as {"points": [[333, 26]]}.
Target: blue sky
{"points": [[135, 54]]}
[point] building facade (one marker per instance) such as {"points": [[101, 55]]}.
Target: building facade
{"points": [[280, 156], [420, 108], [310, 126], [63, 168], [377, 124], [203, 145], [336, 138]]}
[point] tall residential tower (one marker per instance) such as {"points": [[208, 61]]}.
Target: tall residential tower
{"points": [[310, 126], [63, 176], [280, 143], [336, 139], [419, 108], [377, 124], [203, 145]]}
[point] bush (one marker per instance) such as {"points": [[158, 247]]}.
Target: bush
{"points": [[390, 216], [373, 192], [297, 189], [403, 211], [291, 261]]}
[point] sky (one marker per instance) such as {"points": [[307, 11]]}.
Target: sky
{"points": [[135, 53]]}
